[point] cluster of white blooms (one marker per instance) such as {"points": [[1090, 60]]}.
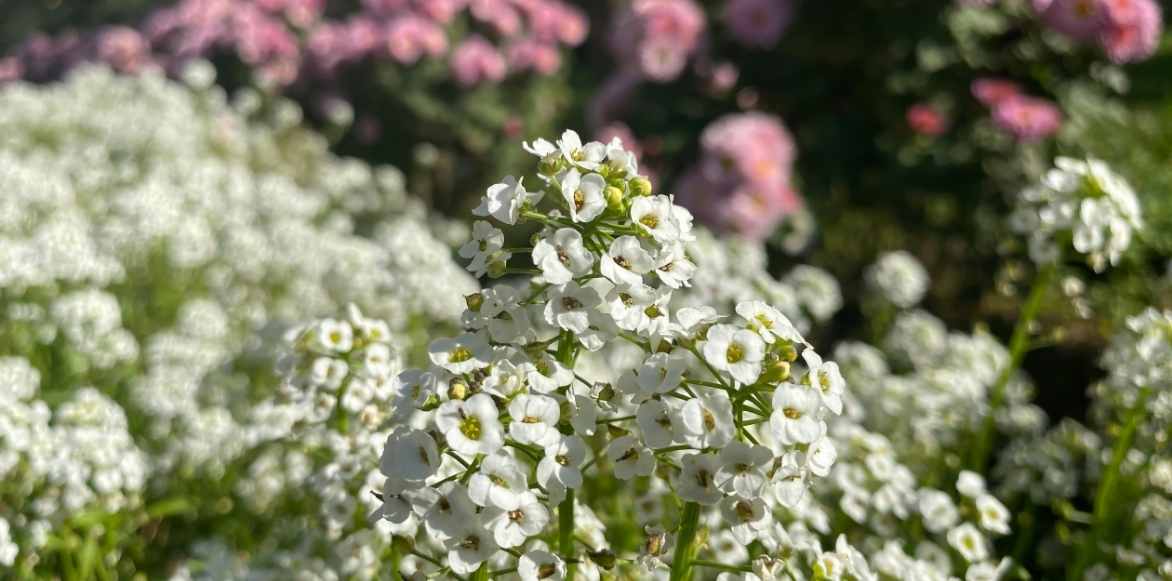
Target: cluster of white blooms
{"points": [[504, 426], [1082, 204], [928, 388], [899, 279], [53, 463], [156, 240]]}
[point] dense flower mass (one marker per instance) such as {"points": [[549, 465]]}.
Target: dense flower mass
{"points": [[1083, 204], [1127, 30], [152, 241]]}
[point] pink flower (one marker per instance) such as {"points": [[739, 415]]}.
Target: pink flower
{"points": [[658, 37], [991, 91], [758, 23], [530, 54], [1028, 118], [926, 120], [11, 69], [475, 61], [123, 48], [1078, 19], [1132, 31], [410, 37], [497, 13], [724, 77], [441, 11]]}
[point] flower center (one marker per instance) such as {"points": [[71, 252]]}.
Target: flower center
{"points": [[650, 221], [530, 420], [734, 353], [579, 199], [709, 421], [562, 459], [471, 542], [703, 478], [516, 516], [792, 413], [546, 571], [563, 256], [470, 427], [623, 262], [652, 311], [744, 510], [571, 303], [460, 354]]}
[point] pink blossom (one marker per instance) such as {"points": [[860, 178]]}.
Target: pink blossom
{"points": [[475, 61], [1028, 118], [442, 11], [1078, 19], [1133, 29], [123, 48], [497, 13], [991, 91], [926, 119], [758, 23], [530, 54], [724, 77], [658, 36], [410, 37], [11, 69]]}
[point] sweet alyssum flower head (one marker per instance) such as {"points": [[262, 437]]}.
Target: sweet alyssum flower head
{"points": [[708, 410]]}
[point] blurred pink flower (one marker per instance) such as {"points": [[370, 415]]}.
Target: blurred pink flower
{"points": [[1078, 19], [123, 48], [442, 11], [532, 55], [1028, 118], [723, 77], [11, 69], [658, 37], [742, 182], [925, 119], [1132, 31], [758, 23], [475, 61], [991, 91], [410, 37]]}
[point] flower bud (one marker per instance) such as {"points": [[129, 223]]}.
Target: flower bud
{"points": [[457, 389], [607, 392], [604, 558], [474, 301], [786, 350], [497, 266], [776, 371], [614, 198], [641, 186], [550, 164]]}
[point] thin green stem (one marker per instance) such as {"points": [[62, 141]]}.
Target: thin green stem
{"points": [[1018, 346], [1104, 500], [722, 566], [681, 563], [566, 533]]}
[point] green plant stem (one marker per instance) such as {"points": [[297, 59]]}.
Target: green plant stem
{"points": [[1104, 500], [681, 563], [396, 557], [1018, 346], [481, 574], [722, 566], [566, 533]]}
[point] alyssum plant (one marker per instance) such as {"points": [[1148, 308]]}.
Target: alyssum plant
{"points": [[488, 459]]}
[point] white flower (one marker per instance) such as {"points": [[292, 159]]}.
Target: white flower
{"points": [[485, 241], [653, 215], [768, 322], [938, 510], [541, 566], [794, 419], [584, 194], [987, 571], [450, 512], [335, 336], [504, 201], [469, 547], [412, 388], [575, 152], [673, 267], [570, 305], [471, 427], [742, 469], [705, 421], [510, 528], [328, 373], [641, 309], [826, 379], [692, 320], [462, 354], [737, 351], [970, 483], [630, 458], [789, 483], [545, 374], [747, 516], [992, 515], [410, 456], [899, 278], [539, 147], [535, 419], [562, 256], [561, 463], [499, 482], [697, 479], [821, 456], [655, 423], [969, 542], [626, 262], [659, 373]]}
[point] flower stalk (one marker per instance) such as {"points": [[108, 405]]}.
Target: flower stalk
{"points": [[685, 553]]}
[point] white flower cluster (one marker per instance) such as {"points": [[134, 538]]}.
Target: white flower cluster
{"points": [[505, 426], [54, 463], [899, 279], [1082, 204], [155, 242]]}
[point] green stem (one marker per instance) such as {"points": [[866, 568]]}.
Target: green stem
{"points": [[396, 557], [722, 566], [566, 533], [1103, 498], [481, 574], [681, 563], [1018, 345]]}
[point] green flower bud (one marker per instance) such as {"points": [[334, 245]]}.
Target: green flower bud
{"points": [[474, 301], [550, 164], [641, 186], [614, 198]]}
